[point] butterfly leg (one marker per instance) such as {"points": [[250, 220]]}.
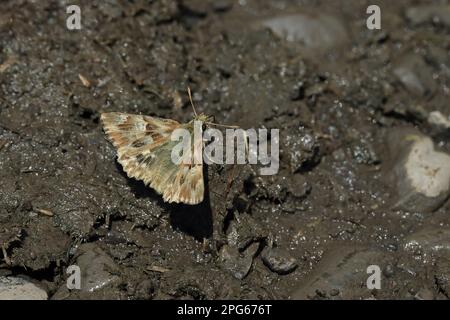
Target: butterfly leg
{"points": [[232, 175]]}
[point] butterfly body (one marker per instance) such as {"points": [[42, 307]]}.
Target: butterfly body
{"points": [[144, 148]]}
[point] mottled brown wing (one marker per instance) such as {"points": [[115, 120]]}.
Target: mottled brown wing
{"points": [[188, 184], [144, 150]]}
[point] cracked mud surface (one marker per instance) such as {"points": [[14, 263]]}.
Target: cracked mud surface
{"points": [[337, 94]]}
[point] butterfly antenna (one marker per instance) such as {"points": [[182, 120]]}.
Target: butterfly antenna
{"points": [[192, 102], [222, 125], [210, 123]]}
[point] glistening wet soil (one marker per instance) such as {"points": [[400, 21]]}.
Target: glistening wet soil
{"points": [[348, 101]]}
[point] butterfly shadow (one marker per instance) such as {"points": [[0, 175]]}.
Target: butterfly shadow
{"points": [[194, 220]]}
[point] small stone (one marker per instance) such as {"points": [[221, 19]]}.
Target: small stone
{"points": [[315, 90], [415, 75], [279, 261], [420, 174], [437, 119], [424, 294], [241, 203], [334, 292], [363, 153], [389, 271], [438, 14], [96, 267], [428, 243], [121, 251], [301, 148], [144, 290], [442, 275], [320, 31], [298, 186], [244, 231], [298, 92], [16, 288], [222, 5], [412, 291], [274, 187], [197, 8], [342, 269], [239, 265]]}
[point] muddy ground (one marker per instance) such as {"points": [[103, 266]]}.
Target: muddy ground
{"points": [[336, 90]]}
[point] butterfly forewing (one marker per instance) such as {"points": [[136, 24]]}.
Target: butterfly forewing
{"points": [[144, 150]]}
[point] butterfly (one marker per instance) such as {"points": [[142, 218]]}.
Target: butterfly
{"points": [[144, 148]]}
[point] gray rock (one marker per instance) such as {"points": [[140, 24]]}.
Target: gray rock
{"points": [[288, 190], [420, 174], [243, 231], [364, 153], [196, 7], [341, 274], [389, 271], [439, 14], [320, 31], [301, 148], [437, 119], [145, 290], [279, 260], [15, 288], [428, 243], [442, 275], [415, 75], [424, 294], [431, 246], [238, 264], [274, 187], [222, 5], [97, 268]]}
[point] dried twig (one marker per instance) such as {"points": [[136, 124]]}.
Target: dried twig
{"points": [[8, 63], [45, 212], [158, 269], [84, 80]]}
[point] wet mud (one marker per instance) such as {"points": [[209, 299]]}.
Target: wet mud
{"points": [[354, 108]]}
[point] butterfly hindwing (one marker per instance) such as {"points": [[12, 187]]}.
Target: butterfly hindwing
{"points": [[144, 150]]}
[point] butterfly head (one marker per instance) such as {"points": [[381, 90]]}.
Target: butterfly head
{"points": [[204, 118]]}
